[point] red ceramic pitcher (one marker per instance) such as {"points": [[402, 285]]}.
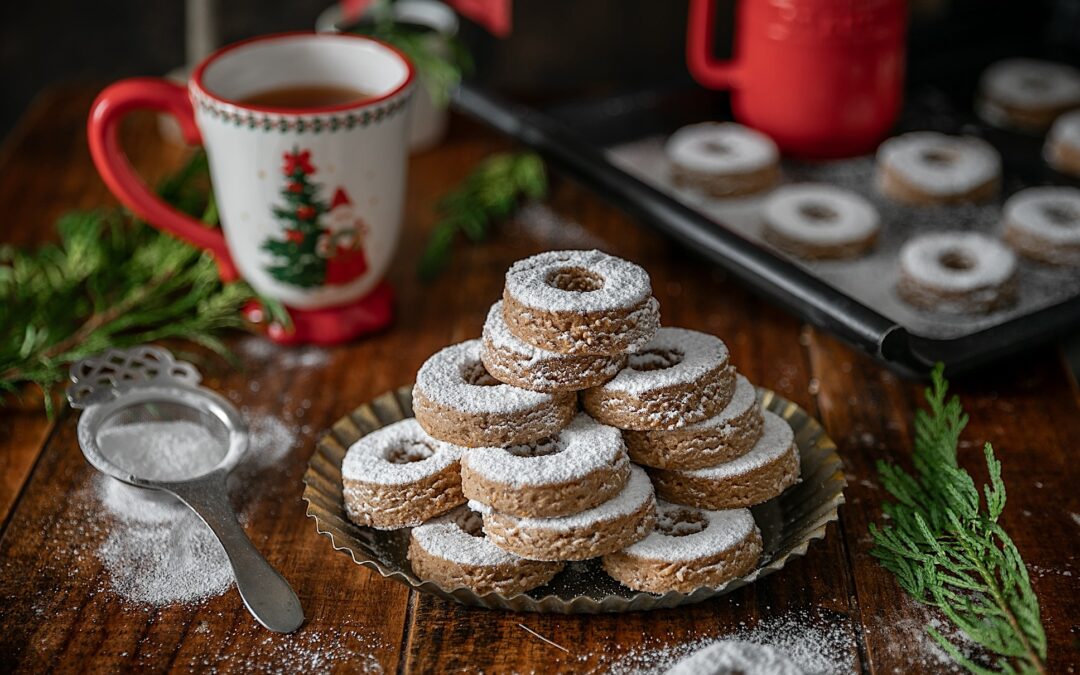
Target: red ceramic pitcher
{"points": [[823, 78]]}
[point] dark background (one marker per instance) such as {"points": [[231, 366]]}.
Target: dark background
{"points": [[558, 48]]}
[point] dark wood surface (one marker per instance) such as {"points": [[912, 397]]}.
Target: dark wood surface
{"points": [[56, 611]]}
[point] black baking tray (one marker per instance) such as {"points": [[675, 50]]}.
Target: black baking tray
{"points": [[574, 136]]}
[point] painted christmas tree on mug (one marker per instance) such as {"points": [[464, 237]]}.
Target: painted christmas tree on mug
{"points": [[322, 244]]}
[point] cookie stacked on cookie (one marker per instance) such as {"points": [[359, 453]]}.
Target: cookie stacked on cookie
{"points": [[549, 439]]}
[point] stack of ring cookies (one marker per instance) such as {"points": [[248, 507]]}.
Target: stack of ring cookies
{"points": [[576, 428]]}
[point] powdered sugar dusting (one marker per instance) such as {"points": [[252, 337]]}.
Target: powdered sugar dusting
{"points": [[1031, 83], [398, 454], [442, 380], [1050, 213], [444, 537], [744, 398], [695, 354], [721, 148], [620, 283], [844, 216], [1066, 130], [637, 492], [965, 162], [776, 439], [987, 262], [722, 531], [583, 447]]}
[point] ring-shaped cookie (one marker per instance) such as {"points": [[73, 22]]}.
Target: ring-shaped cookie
{"points": [[771, 467], [925, 167], [689, 549], [582, 466], [452, 551], [721, 438], [456, 400], [678, 378], [722, 159], [1027, 94], [1062, 149], [957, 272], [580, 302], [1043, 223], [620, 521], [817, 221], [511, 360], [399, 476]]}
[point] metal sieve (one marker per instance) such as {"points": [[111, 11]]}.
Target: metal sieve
{"points": [[145, 385]]}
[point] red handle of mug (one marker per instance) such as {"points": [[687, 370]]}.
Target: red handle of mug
{"points": [[706, 69], [110, 107]]}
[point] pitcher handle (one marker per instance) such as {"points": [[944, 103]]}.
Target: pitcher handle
{"points": [[116, 101], [704, 67]]}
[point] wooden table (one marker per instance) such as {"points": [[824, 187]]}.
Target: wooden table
{"points": [[56, 611]]}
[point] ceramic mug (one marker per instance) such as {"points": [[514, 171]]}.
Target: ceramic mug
{"points": [[823, 78], [310, 199]]}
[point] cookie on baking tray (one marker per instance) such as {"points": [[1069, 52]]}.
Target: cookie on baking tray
{"points": [[452, 551], [819, 222], [1062, 149], [926, 168], [1043, 224], [722, 159], [957, 272], [1027, 94]]}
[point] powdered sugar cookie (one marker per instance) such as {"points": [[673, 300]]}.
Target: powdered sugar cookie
{"points": [[582, 466], [680, 377], [957, 272], [771, 467], [723, 159], [620, 521], [1062, 150], [1043, 223], [736, 657], [456, 400], [689, 549], [1027, 94], [452, 551], [925, 167], [514, 361], [818, 221], [399, 476], [580, 302], [721, 438]]}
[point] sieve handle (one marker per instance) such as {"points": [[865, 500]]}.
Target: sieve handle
{"points": [[267, 595]]}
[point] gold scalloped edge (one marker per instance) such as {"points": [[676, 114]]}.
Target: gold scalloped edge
{"points": [[323, 477]]}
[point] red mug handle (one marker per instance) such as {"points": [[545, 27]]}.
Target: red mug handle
{"points": [[706, 69], [112, 104]]}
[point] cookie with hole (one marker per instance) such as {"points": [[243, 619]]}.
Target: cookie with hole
{"points": [[582, 466], [721, 438], [816, 221], [613, 525], [453, 552], [925, 168], [456, 400], [1027, 94], [1043, 224], [722, 159], [689, 549], [957, 273], [511, 360], [680, 377], [580, 302], [770, 467], [1062, 148], [399, 476]]}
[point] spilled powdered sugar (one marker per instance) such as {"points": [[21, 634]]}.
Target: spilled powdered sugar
{"points": [[776, 439], [736, 657], [638, 491], [678, 538], [537, 220], [673, 357], [580, 448], [396, 454], [157, 551]]}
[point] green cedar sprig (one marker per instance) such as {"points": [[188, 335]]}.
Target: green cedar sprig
{"points": [[947, 550], [491, 192], [112, 281], [440, 60]]}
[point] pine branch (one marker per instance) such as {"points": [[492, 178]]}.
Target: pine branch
{"points": [[111, 281], [491, 192], [946, 549]]}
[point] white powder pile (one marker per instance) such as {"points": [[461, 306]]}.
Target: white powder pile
{"points": [[819, 646], [158, 551], [306, 651]]}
